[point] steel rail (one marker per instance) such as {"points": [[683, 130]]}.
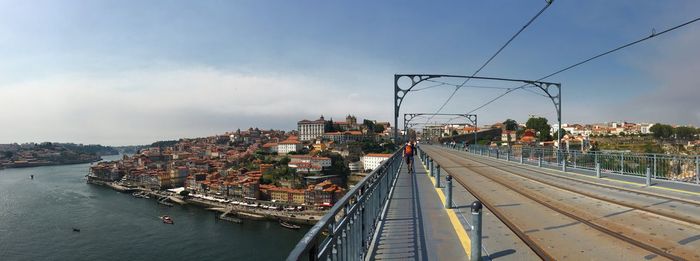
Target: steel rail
{"points": [[600, 228], [537, 249], [591, 195]]}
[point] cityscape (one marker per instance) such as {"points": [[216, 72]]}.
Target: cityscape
{"points": [[239, 130]]}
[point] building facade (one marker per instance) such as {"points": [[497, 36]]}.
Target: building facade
{"points": [[310, 130], [373, 160]]}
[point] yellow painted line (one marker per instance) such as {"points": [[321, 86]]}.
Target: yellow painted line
{"points": [[459, 229]]}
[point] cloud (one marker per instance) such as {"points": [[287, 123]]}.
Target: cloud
{"points": [[136, 107]]}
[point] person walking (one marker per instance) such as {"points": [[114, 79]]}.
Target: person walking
{"points": [[408, 152]]}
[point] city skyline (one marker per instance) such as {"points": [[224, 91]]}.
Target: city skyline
{"points": [[118, 74]]}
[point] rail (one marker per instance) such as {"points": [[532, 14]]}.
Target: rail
{"points": [[675, 168], [346, 231]]}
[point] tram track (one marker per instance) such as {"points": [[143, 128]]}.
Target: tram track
{"points": [[690, 220], [615, 232]]}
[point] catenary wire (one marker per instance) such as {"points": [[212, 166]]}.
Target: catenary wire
{"points": [[449, 98], [653, 34]]}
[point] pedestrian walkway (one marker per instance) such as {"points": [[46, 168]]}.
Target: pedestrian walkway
{"points": [[416, 225]]}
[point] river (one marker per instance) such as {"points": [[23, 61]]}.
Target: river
{"points": [[37, 218]]}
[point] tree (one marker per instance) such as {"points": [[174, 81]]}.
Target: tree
{"points": [[369, 124], [684, 132], [285, 160], [662, 131], [564, 132], [541, 127], [510, 125]]}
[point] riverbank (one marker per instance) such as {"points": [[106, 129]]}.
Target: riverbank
{"points": [[307, 217], [30, 164]]}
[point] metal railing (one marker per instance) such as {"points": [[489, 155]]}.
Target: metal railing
{"points": [[346, 231], [676, 168]]}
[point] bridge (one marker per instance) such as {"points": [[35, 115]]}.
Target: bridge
{"points": [[537, 204]]}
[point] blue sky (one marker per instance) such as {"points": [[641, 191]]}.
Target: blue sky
{"points": [[132, 72]]}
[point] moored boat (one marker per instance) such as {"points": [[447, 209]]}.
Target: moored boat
{"points": [[167, 220], [289, 225]]}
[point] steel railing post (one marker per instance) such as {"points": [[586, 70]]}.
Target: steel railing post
{"points": [[595, 158], [697, 170], [597, 170], [655, 172], [437, 176], [539, 161], [648, 177], [521, 157], [448, 200], [432, 168], [563, 164], [622, 163], [475, 233]]}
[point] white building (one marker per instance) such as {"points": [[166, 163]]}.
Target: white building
{"points": [[320, 161], [644, 128], [309, 130], [373, 160], [505, 135], [288, 146]]}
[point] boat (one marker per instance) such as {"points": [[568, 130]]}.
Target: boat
{"points": [[167, 220], [163, 202], [231, 219], [76, 230], [289, 225]]}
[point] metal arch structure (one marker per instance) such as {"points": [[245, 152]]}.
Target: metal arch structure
{"points": [[408, 117], [400, 93]]}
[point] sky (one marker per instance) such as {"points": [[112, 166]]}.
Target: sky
{"points": [[135, 72]]}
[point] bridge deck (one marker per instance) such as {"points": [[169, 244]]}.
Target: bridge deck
{"points": [[569, 216], [416, 225]]}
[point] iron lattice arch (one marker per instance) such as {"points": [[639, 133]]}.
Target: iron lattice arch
{"points": [[400, 92], [408, 117]]}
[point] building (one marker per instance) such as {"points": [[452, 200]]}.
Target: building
{"points": [[508, 136], [310, 130], [324, 162], [373, 160], [323, 194], [289, 145], [644, 128], [270, 147]]}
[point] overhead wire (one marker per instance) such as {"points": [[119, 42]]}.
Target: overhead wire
{"points": [[652, 35], [549, 2]]}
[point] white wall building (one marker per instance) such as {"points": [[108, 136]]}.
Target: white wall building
{"points": [[288, 146], [321, 161], [373, 160], [309, 130]]}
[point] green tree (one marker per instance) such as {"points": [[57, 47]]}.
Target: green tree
{"points": [[338, 166], [684, 132], [285, 160], [662, 131], [370, 125], [541, 127], [510, 125], [564, 132]]}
